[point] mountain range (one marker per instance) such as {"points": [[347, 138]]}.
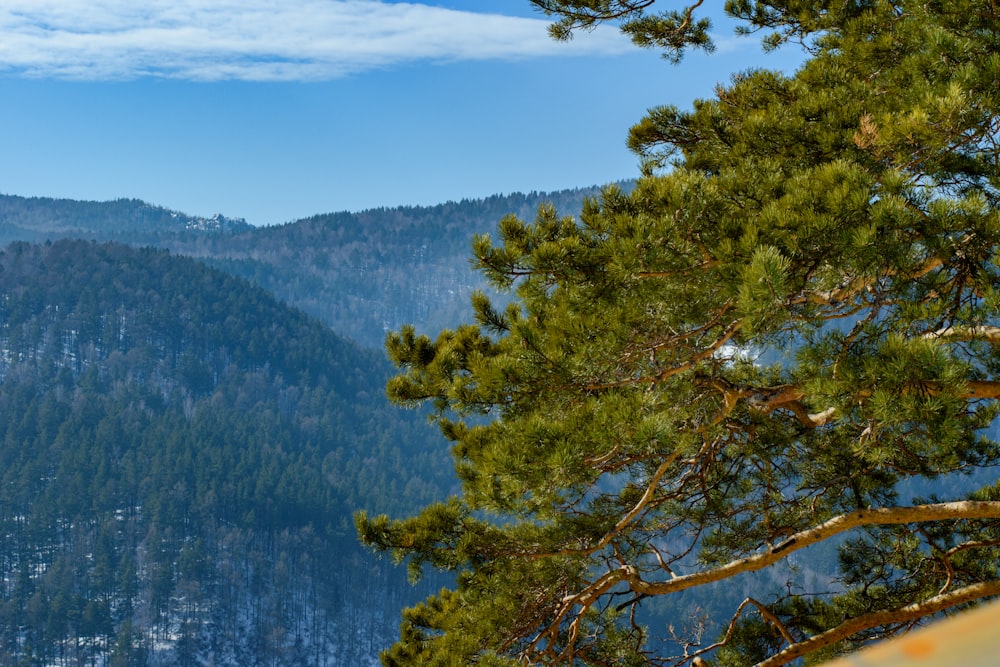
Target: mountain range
{"points": [[362, 273]]}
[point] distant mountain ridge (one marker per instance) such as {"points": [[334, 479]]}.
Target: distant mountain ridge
{"points": [[361, 273], [46, 218]]}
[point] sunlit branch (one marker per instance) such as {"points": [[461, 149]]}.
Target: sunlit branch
{"points": [[836, 525], [911, 612], [764, 612], [986, 333]]}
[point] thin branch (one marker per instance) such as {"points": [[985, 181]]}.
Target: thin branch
{"points": [[769, 399], [647, 496], [588, 17], [764, 611], [687, 16], [687, 335], [707, 352], [629, 517], [945, 558], [859, 285], [773, 620], [970, 545]]}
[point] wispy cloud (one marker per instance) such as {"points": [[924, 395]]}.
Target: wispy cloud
{"points": [[260, 40]]}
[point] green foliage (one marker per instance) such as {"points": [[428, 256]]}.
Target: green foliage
{"points": [[671, 30], [616, 431]]}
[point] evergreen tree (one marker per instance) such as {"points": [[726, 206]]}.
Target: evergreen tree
{"points": [[787, 327]]}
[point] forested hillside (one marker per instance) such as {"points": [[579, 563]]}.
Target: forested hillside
{"points": [[128, 220], [180, 456], [362, 273]]}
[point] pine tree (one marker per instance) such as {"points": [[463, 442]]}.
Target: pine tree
{"points": [[783, 337]]}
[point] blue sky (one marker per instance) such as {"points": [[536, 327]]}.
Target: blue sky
{"points": [[276, 110]]}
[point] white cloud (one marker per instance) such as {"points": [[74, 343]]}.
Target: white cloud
{"points": [[260, 40]]}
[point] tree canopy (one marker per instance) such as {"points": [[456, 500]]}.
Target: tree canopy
{"points": [[785, 336]]}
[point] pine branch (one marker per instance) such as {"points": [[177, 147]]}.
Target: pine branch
{"points": [[905, 614], [952, 511], [986, 333]]}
